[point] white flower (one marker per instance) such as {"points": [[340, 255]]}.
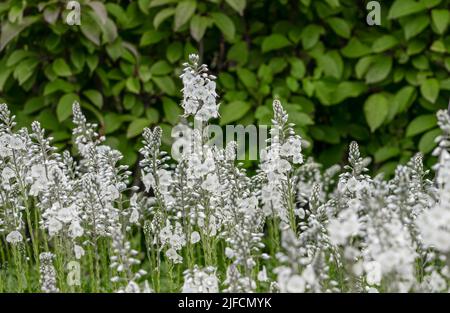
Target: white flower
{"points": [[38, 171], [7, 174], [174, 256], [373, 270], [211, 183], [165, 177], [4, 145], [16, 143], [283, 166], [295, 284], [372, 290], [229, 253], [14, 237], [66, 215], [343, 227], [436, 282], [132, 287], [195, 237], [79, 251], [149, 181], [262, 275], [75, 229], [54, 226], [134, 216]]}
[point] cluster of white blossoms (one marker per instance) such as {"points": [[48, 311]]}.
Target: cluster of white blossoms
{"points": [[198, 280], [290, 227], [48, 273], [199, 91]]}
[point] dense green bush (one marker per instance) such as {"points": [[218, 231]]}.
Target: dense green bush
{"points": [[341, 79]]}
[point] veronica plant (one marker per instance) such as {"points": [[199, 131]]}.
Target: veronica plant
{"points": [[199, 222]]}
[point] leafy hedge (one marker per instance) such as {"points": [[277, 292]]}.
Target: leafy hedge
{"points": [[341, 78]]}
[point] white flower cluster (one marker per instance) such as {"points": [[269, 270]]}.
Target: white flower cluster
{"points": [[48, 273], [198, 280], [199, 91]]}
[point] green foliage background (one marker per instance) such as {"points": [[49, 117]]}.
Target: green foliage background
{"points": [[339, 78]]}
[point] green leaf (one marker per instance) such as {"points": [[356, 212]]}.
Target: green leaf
{"points": [[166, 84], [355, 49], [152, 115], [311, 35], [363, 65], [100, 11], [4, 75], [331, 63], [421, 124], [445, 84], [144, 5], [403, 98], [64, 107], [137, 126], [172, 110], [340, 26], [292, 83], [227, 81], [421, 62], [58, 85], [133, 85], [17, 56], [117, 11], [92, 62], [427, 142], [384, 43], [161, 68], [109, 31], [61, 68], [325, 133], [416, 25], [247, 77], [348, 89], [174, 51], [376, 110], [33, 105], [430, 89], [151, 37], [162, 15], [438, 46], [225, 24], [11, 30], [198, 26], [129, 101], [78, 58], [113, 122], [274, 42], [298, 69], [405, 7], [301, 119], [95, 97], [183, 12], [237, 5], [386, 153], [238, 52], [415, 46], [91, 29], [155, 3], [379, 70], [440, 19], [233, 111], [25, 70]]}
